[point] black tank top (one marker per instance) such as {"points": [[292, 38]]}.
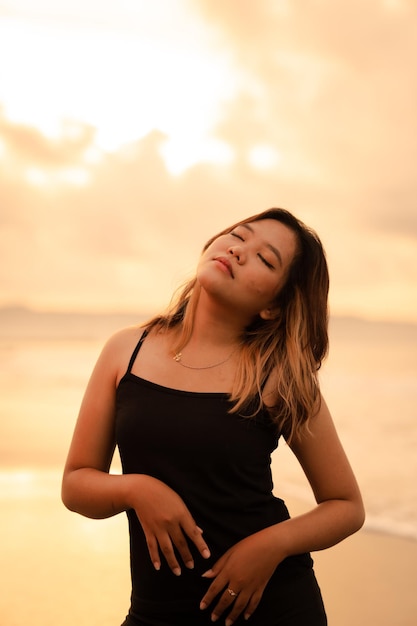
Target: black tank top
{"points": [[218, 462]]}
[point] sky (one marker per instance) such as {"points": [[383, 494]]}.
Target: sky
{"points": [[132, 131]]}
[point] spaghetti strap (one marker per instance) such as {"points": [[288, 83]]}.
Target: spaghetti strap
{"points": [[136, 350]]}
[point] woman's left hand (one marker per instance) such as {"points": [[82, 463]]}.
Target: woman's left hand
{"points": [[242, 574]]}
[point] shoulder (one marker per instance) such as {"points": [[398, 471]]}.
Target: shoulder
{"points": [[118, 349], [124, 338], [270, 393]]}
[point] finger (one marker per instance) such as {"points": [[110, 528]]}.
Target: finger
{"points": [[216, 587], [216, 569], [153, 551], [196, 535], [252, 604], [228, 598], [237, 610], [181, 545], [166, 547]]}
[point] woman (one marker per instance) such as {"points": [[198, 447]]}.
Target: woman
{"points": [[196, 403]]}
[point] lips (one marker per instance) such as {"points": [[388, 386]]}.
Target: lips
{"points": [[226, 264]]}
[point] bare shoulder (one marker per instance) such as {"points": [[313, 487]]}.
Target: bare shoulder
{"points": [[118, 349], [124, 337], [269, 393]]}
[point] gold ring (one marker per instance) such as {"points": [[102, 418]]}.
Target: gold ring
{"points": [[232, 593]]}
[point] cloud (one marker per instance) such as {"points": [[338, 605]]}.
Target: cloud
{"points": [[331, 85], [133, 234], [30, 146], [134, 227], [330, 88]]}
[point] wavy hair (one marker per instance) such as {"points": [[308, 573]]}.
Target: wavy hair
{"points": [[287, 350]]}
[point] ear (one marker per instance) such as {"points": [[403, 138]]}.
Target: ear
{"points": [[269, 313]]}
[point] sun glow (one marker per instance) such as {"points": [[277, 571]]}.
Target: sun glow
{"points": [[123, 82], [180, 152], [264, 157]]}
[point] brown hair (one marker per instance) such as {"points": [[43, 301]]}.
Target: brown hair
{"points": [[288, 349]]}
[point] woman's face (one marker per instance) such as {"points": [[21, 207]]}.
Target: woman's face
{"points": [[246, 268]]}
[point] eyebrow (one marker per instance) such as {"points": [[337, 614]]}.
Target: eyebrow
{"points": [[268, 245]]}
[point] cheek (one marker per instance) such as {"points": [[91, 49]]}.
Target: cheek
{"points": [[263, 289]]}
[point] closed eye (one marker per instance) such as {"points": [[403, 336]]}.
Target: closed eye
{"points": [[237, 236], [266, 262]]}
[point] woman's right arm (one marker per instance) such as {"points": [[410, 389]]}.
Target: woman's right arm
{"points": [[89, 489]]}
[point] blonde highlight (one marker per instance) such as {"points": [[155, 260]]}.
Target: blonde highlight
{"points": [[285, 351]]}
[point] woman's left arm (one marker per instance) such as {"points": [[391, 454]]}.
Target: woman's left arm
{"points": [[247, 567], [340, 511]]}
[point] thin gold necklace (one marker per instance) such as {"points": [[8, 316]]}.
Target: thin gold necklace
{"points": [[178, 358]]}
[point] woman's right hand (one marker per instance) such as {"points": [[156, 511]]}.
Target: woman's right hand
{"points": [[166, 523]]}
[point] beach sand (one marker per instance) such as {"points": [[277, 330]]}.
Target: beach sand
{"points": [[60, 568], [369, 579]]}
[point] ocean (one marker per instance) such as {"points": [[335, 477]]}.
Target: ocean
{"points": [[50, 556]]}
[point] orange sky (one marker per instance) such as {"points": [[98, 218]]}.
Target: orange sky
{"points": [[132, 131]]}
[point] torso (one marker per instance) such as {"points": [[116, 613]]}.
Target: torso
{"points": [[176, 425], [156, 364]]}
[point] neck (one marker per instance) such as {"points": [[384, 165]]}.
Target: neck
{"points": [[215, 325]]}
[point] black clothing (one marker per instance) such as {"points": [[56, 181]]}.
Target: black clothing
{"points": [[219, 463]]}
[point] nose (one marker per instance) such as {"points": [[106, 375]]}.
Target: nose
{"points": [[237, 251]]}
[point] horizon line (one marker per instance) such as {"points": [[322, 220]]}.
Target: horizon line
{"points": [[31, 310]]}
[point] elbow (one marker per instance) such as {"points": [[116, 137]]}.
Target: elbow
{"points": [[67, 496], [82, 493], [357, 516], [74, 501], [71, 494], [68, 503], [360, 516]]}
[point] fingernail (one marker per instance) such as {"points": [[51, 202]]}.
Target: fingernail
{"points": [[214, 617], [228, 622], [190, 564], [177, 571], [246, 616], [207, 574], [157, 565], [206, 553], [203, 606]]}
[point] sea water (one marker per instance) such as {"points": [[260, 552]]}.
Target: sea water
{"points": [[50, 556]]}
